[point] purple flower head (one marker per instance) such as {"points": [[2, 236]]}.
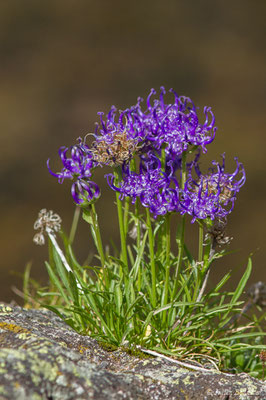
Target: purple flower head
{"points": [[85, 191], [174, 125], [212, 195], [151, 185], [78, 166], [115, 142]]}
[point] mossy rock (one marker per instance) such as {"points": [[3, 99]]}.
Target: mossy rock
{"points": [[42, 358]]}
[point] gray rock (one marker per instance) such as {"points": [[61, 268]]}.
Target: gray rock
{"points": [[42, 358]]}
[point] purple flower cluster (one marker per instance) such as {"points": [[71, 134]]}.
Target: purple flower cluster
{"points": [[78, 167], [151, 185], [212, 195], [159, 136], [175, 126]]}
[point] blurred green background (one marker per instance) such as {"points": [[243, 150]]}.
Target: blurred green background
{"points": [[61, 61]]}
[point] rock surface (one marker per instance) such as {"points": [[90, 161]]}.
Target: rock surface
{"points": [[42, 358]]}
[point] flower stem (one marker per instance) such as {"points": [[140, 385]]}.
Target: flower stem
{"points": [[184, 170], [126, 210], [204, 284], [180, 241], [122, 224], [181, 233], [163, 159], [152, 258], [74, 225], [137, 212], [167, 270], [201, 238], [122, 231], [98, 241]]}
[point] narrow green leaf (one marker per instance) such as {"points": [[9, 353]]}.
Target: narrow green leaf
{"points": [[60, 269], [241, 286], [136, 266], [222, 282], [54, 310], [177, 304], [56, 282], [186, 289], [188, 254], [118, 298], [26, 282], [242, 336], [86, 215], [73, 288], [130, 254], [72, 259], [146, 323], [133, 305], [92, 302]]}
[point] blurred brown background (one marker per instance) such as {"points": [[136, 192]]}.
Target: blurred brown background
{"points": [[61, 61]]}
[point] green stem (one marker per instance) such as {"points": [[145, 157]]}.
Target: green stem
{"points": [[180, 254], [204, 266], [152, 259], [181, 237], [203, 286], [137, 212], [74, 225], [205, 271], [137, 208], [163, 158], [184, 169], [126, 210], [122, 231], [122, 225], [167, 271], [98, 241], [201, 238], [200, 268]]}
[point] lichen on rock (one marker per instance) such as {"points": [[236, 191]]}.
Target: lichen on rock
{"points": [[41, 358]]}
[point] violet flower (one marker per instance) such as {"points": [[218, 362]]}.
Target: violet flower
{"points": [[174, 125], [212, 195], [78, 167], [151, 185]]}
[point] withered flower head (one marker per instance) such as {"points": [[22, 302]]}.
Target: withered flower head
{"points": [[257, 294], [47, 222], [114, 150], [116, 139], [218, 234]]}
